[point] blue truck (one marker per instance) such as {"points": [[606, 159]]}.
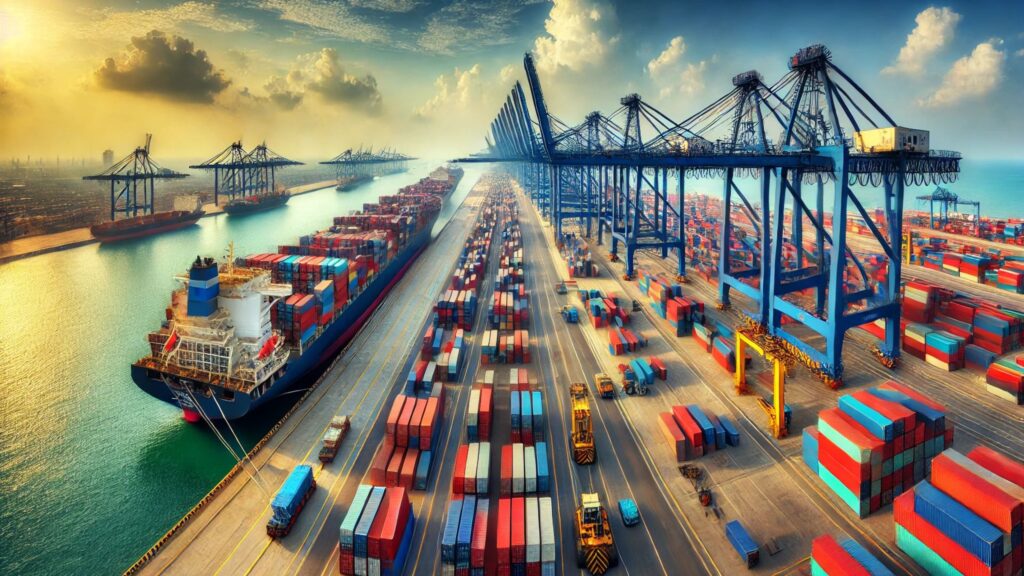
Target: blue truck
{"points": [[290, 499]]}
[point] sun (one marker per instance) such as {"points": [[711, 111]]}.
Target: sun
{"points": [[14, 26]]}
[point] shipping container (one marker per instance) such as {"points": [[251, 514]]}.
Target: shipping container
{"points": [[483, 469], [518, 469], [742, 543], [529, 470], [543, 468]]}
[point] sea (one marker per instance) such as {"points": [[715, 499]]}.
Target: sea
{"points": [[93, 470]]}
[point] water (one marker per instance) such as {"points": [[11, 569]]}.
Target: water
{"points": [[93, 470]]}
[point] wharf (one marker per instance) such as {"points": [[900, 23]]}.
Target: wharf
{"points": [[46, 243], [227, 535]]}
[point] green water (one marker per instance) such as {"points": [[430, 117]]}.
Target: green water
{"points": [[93, 470]]}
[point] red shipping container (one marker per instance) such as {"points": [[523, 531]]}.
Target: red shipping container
{"points": [[689, 426], [417, 418], [478, 544], [518, 530], [844, 468], [506, 470], [486, 409], [833, 559], [956, 475], [374, 535], [391, 425], [394, 471], [408, 473], [891, 410], [428, 424], [503, 533], [896, 386], [998, 464], [674, 435], [397, 516], [459, 473], [402, 433], [379, 467]]}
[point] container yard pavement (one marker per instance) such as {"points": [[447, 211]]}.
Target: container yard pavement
{"points": [[980, 417], [228, 535], [46, 243]]}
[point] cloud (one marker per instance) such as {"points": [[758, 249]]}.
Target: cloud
{"points": [[107, 22], [329, 79], [507, 75], [669, 57], [454, 92], [579, 34], [673, 75], [972, 76], [466, 24], [935, 27], [170, 67], [329, 18], [1019, 53], [285, 92], [397, 6]]}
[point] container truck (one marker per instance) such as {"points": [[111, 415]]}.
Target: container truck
{"points": [[290, 499], [336, 432]]}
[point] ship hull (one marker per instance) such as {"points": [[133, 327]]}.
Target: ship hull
{"points": [[241, 208], [217, 407], [148, 229]]}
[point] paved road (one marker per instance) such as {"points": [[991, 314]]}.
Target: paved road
{"points": [[228, 536]]}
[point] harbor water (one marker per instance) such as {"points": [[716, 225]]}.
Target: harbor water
{"points": [[92, 469]]}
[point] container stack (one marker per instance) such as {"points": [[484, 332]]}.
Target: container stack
{"points": [[472, 469], [528, 422], [1005, 378], [830, 557], [509, 309], [464, 537], [524, 469], [622, 340], [511, 348], [876, 444], [456, 309], [944, 350], [411, 434], [376, 533], [643, 371], [967, 518], [693, 432], [920, 302], [479, 412], [525, 536], [576, 253], [703, 335], [449, 364]]}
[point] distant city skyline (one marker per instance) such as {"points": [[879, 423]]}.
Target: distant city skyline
{"points": [[312, 77]]}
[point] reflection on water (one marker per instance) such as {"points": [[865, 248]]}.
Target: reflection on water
{"points": [[93, 470]]}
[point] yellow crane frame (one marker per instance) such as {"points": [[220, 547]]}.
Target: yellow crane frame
{"points": [[777, 410]]}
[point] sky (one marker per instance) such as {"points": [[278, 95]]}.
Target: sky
{"points": [[314, 77]]}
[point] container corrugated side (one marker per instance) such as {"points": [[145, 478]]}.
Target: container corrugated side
{"points": [[548, 549], [532, 530], [348, 525], [483, 468], [518, 469], [530, 470]]}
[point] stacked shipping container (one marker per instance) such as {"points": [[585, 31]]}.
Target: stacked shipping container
{"points": [[376, 533]]}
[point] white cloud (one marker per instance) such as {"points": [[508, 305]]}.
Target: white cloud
{"points": [[673, 75], [935, 28], [972, 76], [467, 24], [330, 18], [107, 22], [507, 75], [397, 6], [455, 92], [669, 57], [1019, 53], [579, 34]]}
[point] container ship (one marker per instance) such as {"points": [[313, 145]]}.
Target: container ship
{"points": [[239, 333], [257, 203], [187, 211], [353, 182]]}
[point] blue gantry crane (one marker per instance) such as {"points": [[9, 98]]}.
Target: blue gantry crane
{"points": [[353, 167], [134, 171], [237, 173], [946, 200], [617, 171]]}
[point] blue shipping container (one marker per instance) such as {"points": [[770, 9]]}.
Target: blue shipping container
{"points": [[981, 539], [450, 536], [543, 472], [732, 435], [742, 543], [291, 493]]}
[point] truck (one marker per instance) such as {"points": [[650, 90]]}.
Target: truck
{"points": [[595, 545], [560, 288], [583, 449], [336, 432], [570, 314], [629, 512], [604, 385], [290, 499], [630, 384]]}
